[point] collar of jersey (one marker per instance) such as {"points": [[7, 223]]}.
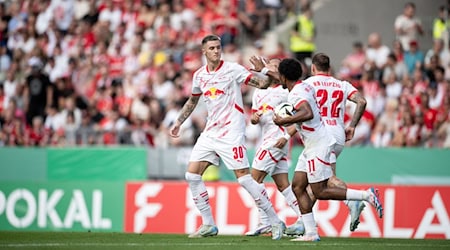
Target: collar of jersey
{"points": [[220, 66]]}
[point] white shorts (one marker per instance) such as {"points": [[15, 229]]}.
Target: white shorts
{"points": [[232, 151], [337, 150], [316, 162], [271, 160]]}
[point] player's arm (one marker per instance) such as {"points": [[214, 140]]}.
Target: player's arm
{"points": [[260, 65], [361, 102], [303, 113], [419, 27], [291, 130], [257, 82], [186, 111]]}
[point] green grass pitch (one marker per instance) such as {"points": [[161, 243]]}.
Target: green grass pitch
{"points": [[87, 240]]}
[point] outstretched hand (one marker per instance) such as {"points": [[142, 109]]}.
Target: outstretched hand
{"points": [[258, 63]]}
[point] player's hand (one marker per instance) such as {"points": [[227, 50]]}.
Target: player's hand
{"points": [[349, 133], [278, 120], [258, 63], [256, 116], [280, 143], [175, 130]]}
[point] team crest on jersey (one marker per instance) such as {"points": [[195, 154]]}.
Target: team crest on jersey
{"points": [[213, 93], [265, 108]]}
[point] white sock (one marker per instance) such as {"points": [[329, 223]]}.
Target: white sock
{"points": [[291, 200], [200, 197], [260, 197], [309, 222], [353, 194], [263, 218]]}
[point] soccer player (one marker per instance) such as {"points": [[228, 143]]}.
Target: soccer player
{"points": [[271, 155], [219, 83], [331, 95], [313, 166]]}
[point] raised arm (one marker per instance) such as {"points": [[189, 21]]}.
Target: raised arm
{"points": [[186, 111], [359, 111], [260, 65]]}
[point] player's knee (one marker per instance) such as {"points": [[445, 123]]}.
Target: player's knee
{"points": [[245, 180], [297, 188], [336, 182], [190, 177]]}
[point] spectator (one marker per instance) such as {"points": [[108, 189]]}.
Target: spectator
{"points": [[414, 58], [397, 50], [37, 135], [353, 63], [86, 134], [437, 49], [38, 91], [407, 26], [376, 54], [302, 43], [381, 137], [394, 70], [253, 17], [441, 24], [438, 89], [372, 92], [10, 87], [431, 66]]}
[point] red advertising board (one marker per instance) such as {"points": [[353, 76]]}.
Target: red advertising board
{"points": [[167, 207]]}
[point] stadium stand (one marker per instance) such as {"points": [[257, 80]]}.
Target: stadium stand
{"points": [[109, 72]]}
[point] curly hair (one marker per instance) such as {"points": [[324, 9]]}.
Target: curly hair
{"points": [[291, 69]]}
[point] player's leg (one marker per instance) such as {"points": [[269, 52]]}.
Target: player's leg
{"points": [[300, 183], [319, 173], [234, 155], [283, 185], [202, 156], [355, 207], [263, 226], [260, 196]]}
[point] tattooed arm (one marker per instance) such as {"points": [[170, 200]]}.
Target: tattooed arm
{"points": [[359, 111], [186, 111], [259, 82], [271, 71]]}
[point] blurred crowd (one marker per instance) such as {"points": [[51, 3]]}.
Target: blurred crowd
{"points": [[406, 86], [109, 72]]}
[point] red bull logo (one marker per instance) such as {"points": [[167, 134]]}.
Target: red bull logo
{"points": [[265, 108], [213, 93]]}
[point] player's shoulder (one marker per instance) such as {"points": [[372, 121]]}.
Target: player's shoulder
{"points": [[234, 66], [200, 71]]}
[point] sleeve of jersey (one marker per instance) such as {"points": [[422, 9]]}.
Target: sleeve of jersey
{"points": [[296, 99], [241, 73], [196, 91], [350, 89], [254, 102]]}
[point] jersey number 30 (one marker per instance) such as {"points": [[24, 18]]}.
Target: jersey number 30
{"points": [[336, 99]]}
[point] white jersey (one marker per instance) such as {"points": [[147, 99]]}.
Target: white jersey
{"points": [[332, 95], [312, 132], [221, 90], [266, 100]]}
